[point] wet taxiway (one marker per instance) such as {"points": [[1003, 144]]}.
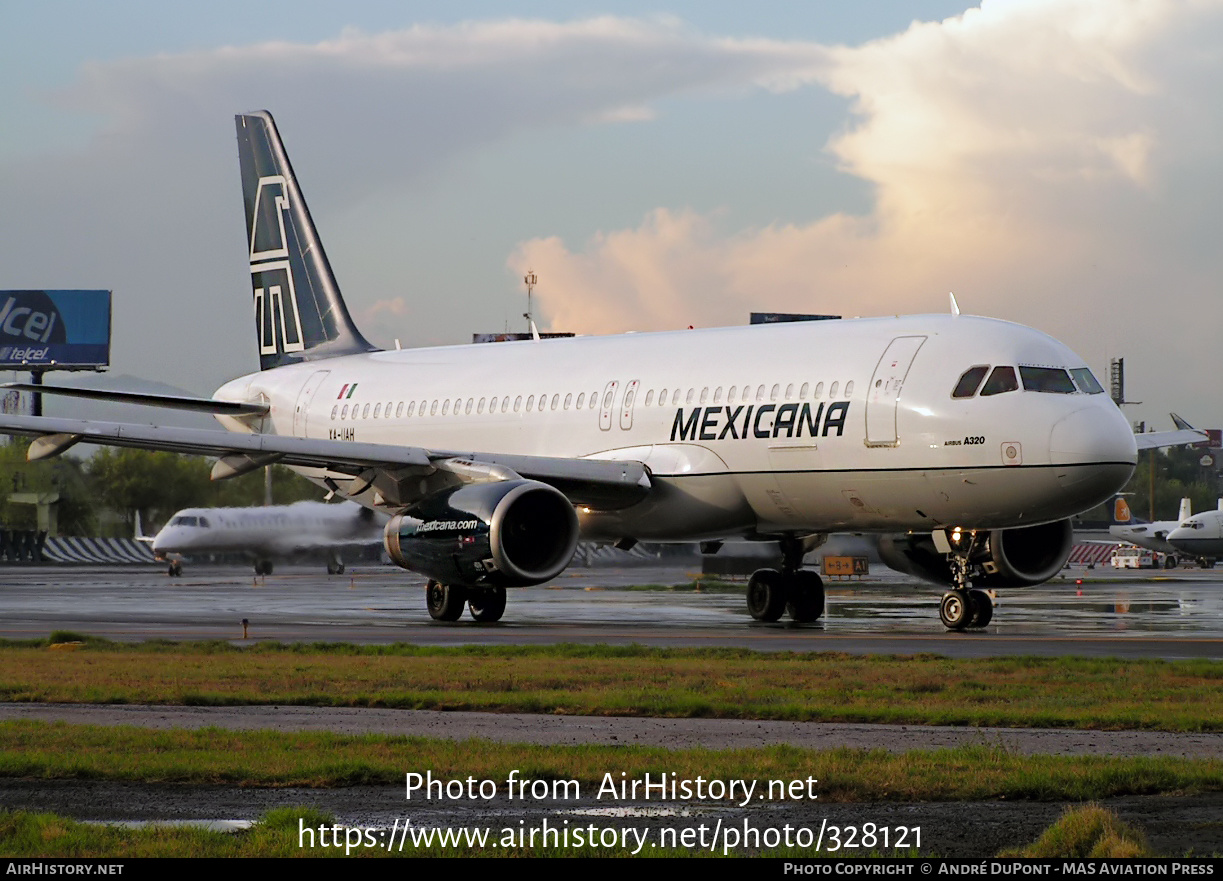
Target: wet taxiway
{"points": [[1173, 615]]}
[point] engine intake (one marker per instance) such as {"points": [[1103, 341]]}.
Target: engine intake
{"points": [[1007, 558], [512, 533]]}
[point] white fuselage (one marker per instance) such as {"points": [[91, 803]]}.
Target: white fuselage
{"points": [[789, 428], [1152, 536], [273, 532], [1200, 536]]}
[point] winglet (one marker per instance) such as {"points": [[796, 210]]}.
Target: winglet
{"points": [[955, 307]]}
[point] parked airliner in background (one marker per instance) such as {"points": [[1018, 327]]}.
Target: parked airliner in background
{"points": [[267, 534], [1200, 536], [970, 441], [1152, 536]]}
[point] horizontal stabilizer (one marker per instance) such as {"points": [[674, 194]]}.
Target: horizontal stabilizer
{"points": [[172, 402]]}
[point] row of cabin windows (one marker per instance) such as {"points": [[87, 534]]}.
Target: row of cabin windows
{"points": [[1049, 380], [543, 402], [735, 395]]}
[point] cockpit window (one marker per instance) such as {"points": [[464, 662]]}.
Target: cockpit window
{"points": [[969, 382], [1053, 380], [1001, 380], [1086, 381], [184, 520]]}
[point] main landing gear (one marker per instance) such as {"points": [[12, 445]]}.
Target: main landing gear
{"points": [[446, 602], [795, 590], [961, 606]]}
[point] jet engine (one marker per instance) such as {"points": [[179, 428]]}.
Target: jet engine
{"points": [[1006, 558], [511, 533]]}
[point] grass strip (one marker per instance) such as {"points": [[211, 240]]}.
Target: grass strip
{"points": [[1088, 831], [631, 681], [323, 759]]}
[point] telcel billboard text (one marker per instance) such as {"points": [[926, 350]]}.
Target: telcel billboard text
{"points": [[50, 330]]}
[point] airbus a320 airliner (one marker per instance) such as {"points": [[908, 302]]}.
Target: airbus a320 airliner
{"points": [[968, 441]]}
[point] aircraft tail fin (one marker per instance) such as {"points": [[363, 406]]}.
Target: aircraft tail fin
{"points": [[299, 313], [1121, 511], [1186, 510], [138, 531]]}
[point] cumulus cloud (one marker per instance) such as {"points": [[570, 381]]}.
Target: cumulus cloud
{"points": [[1037, 157]]}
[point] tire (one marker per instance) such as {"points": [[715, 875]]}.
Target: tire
{"points": [[766, 595], [487, 605], [445, 601], [955, 610], [806, 603], [263, 567], [982, 608]]}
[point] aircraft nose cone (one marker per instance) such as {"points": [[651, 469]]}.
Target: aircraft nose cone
{"points": [[1092, 435], [1096, 449]]}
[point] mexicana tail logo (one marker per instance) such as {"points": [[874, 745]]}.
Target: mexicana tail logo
{"points": [[277, 318]]}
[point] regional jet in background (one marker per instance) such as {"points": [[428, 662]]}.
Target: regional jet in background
{"points": [[1200, 536], [1153, 536], [970, 441], [268, 534]]}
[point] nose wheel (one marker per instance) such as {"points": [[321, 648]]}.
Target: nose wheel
{"points": [[963, 607]]}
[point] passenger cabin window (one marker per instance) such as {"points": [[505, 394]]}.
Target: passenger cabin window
{"points": [[1001, 380], [970, 381], [1086, 381], [1051, 380]]}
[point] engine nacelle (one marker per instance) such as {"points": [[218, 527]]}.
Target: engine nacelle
{"points": [[511, 533], [1007, 558]]}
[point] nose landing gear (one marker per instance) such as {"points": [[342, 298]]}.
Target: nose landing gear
{"points": [[962, 607]]}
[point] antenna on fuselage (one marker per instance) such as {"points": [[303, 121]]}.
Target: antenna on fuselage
{"points": [[955, 307]]}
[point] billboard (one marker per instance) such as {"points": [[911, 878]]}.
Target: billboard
{"points": [[54, 330]]}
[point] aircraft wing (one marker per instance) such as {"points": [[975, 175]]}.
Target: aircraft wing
{"points": [[394, 471], [1155, 439]]}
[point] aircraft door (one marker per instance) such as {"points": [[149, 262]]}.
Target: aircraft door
{"points": [[302, 408], [605, 406], [626, 406], [883, 396]]}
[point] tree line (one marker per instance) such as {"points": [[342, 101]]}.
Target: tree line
{"points": [[100, 494]]}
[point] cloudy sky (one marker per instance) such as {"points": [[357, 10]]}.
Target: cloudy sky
{"points": [[1052, 162]]}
